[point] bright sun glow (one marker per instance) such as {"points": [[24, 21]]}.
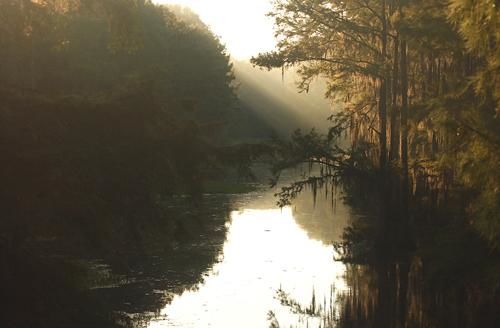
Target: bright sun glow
{"points": [[265, 250], [242, 25]]}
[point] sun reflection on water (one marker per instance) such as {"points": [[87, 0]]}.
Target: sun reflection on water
{"points": [[265, 251]]}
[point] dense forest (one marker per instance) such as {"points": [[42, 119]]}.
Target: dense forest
{"points": [[106, 107], [109, 110], [418, 84], [118, 117]]}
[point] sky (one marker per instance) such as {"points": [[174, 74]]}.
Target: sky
{"points": [[242, 25]]}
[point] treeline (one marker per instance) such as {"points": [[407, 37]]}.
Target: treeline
{"points": [[418, 84], [105, 106]]}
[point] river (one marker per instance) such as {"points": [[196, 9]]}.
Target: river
{"points": [[248, 263], [242, 262], [267, 252]]}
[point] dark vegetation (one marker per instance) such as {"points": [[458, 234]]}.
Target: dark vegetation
{"points": [[109, 112], [417, 82]]}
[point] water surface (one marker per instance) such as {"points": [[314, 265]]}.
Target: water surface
{"points": [[267, 251]]}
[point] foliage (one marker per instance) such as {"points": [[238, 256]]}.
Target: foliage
{"points": [[108, 108], [418, 83], [324, 164]]}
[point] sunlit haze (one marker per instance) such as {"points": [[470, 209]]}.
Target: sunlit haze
{"points": [[242, 25]]}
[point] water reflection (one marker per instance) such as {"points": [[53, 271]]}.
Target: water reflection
{"points": [[396, 289], [238, 261], [266, 251], [241, 262], [167, 264], [322, 219]]}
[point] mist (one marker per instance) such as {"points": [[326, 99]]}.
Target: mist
{"points": [[274, 98]]}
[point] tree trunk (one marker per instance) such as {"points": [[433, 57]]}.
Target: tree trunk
{"points": [[383, 95], [383, 234], [404, 116], [394, 148]]}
